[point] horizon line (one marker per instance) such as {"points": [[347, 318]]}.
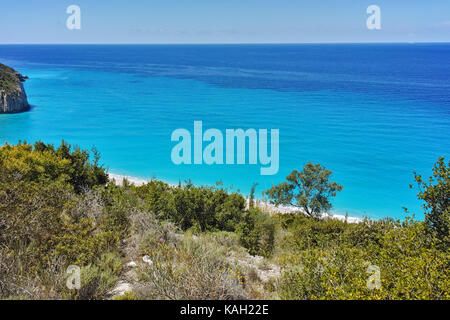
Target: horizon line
{"points": [[233, 43]]}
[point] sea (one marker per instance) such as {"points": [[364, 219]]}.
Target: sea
{"points": [[371, 113]]}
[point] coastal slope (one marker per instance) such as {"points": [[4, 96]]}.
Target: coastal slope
{"points": [[13, 98]]}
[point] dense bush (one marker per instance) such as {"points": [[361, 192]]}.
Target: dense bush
{"points": [[329, 259], [306, 233], [98, 278], [189, 207], [257, 232], [46, 221], [207, 208], [44, 163]]}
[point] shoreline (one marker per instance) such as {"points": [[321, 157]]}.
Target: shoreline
{"points": [[264, 205]]}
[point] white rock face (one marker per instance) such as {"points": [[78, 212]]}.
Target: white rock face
{"points": [[13, 98], [13, 103]]}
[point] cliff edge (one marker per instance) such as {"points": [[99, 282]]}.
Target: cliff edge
{"points": [[13, 98]]}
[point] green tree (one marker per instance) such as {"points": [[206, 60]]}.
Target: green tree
{"points": [[251, 203], [435, 192], [309, 189]]}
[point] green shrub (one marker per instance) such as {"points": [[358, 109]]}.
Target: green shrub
{"points": [[435, 192], [411, 265], [257, 232], [49, 218], [207, 208], [43, 163], [96, 279], [147, 232], [326, 274]]}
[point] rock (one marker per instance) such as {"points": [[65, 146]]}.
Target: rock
{"points": [[131, 276], [13, 98], [147, 259], [264, 270], [120, 289]]}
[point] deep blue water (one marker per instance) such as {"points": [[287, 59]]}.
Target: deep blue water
{"points": [[370, 113]]}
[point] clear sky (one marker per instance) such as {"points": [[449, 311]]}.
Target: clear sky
{"points": [[223, 21]]}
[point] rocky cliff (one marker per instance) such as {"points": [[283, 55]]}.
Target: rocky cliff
{"points": [[12, 93]]}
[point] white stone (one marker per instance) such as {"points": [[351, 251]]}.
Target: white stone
{"points": [[147, 259]]}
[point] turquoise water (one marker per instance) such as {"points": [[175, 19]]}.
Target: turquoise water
{"points": [[371, 127]]}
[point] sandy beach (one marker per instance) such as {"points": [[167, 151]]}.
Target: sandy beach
{"points": [[118, 179]]}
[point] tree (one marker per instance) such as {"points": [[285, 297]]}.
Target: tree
{"points": [[435, 191], [309, 189], [251, 201]]}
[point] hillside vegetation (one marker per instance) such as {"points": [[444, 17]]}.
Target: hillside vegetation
{"points": [[9, 80], [57, 209]]}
